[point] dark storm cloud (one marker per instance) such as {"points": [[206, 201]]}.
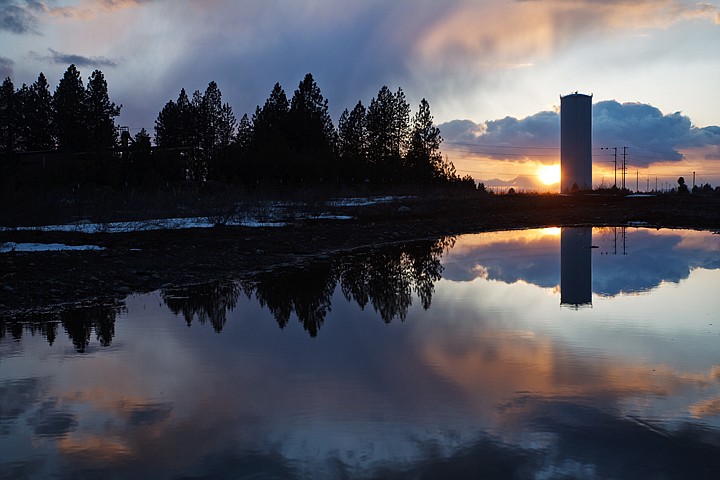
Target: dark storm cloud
{"points": [[650, 135], [351, 50], [79, 60], [6, 67], [19, 16], [539, 130], [460, 131], [507, 138]]}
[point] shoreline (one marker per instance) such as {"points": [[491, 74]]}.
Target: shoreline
{"points": [[144, 261]]}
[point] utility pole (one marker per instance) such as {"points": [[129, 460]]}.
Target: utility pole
{"points": [[614, 161], [624, 166], [693, 179]]}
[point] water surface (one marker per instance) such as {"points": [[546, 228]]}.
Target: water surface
{"points": [[552, 353]]}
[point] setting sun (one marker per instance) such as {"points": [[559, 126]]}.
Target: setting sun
{"points": [[549, 174]]}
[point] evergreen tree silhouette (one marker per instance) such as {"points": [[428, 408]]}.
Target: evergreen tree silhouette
{"points": [[311, 133], [70, 111], [424, 159], [270, 149], [39, 116], [101, 112], [353, 143], [8, 117]]}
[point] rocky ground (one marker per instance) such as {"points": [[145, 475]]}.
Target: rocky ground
{"points": [[145, 261]]}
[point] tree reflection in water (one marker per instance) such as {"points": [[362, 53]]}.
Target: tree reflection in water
{"points": [[79, 322], [386, 278], [207, 301], [306, 291]]}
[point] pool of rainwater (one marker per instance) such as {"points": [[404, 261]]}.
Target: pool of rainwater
{"points": [[547, 353]]}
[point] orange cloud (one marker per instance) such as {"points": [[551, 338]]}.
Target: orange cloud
{"points": [[511, 34], [89, 9]]}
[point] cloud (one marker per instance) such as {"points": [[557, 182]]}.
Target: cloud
{"points": [[18, 16], [650, 135], [23, 16], [79, 60], [120, 4], [89, 9], [6, 67], [457, 54], [500, 32]]}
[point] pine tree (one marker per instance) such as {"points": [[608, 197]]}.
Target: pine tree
{"points": [[40, 117], [167, 126], [245, 133], [242, 168], [22, 117], [186, 134], [311, 132], [101, 130], [179, 136], [381, 140], [227, 126], [400, 125], [424, 159], [216, 125], [353, 142], [216, 122], [168, 139], [270, 148], [70, 111], [8, 117]]}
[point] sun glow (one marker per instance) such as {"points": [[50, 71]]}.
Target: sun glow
{"points": [[549, 174]]}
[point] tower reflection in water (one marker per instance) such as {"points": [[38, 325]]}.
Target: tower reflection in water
{"points": [[576, 266]]}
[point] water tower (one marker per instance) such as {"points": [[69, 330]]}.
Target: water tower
{"points": [[575, 142]]}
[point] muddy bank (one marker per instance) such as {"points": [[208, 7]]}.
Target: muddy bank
{"points": [[145, 261]]}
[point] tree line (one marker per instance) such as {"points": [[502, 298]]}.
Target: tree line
{"points": [[75, 117], [198, 139]]}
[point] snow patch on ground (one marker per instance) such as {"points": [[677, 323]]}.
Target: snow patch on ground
{"points": [[142, 226], [43, 247], [268, 214]]}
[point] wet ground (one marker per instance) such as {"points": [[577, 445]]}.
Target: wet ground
{"points": [[145, 261]]}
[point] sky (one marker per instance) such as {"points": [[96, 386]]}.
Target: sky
{"points": [[493, 70]]}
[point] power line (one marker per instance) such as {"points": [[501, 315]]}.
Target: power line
{"points": [[502, 154], [502, 146], [499, 173], [659, 154]]}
